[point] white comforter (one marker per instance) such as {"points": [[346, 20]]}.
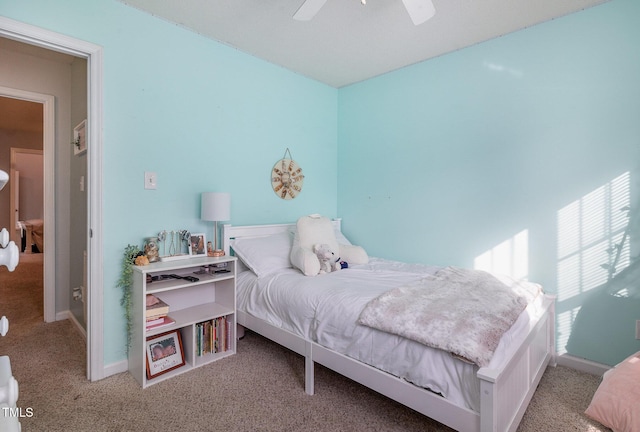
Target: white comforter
{"points": [[326, 308]]}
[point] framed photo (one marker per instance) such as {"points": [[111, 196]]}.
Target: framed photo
{"points": [[164, 353], [198, 245], [80, 138]]}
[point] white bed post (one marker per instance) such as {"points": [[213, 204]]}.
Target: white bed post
{"points": [[309, 369], [488, 407]]}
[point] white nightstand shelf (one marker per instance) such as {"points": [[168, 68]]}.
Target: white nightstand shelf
{"points": [[212, 298]]}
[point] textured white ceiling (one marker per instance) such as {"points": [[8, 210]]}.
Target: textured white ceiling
{"points": [[347, 42]]}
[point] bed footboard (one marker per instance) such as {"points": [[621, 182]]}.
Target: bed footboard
{"points": [[505, 393]]}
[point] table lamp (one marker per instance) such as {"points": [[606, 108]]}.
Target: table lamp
{"points": [[4, 178], [216, 206]]}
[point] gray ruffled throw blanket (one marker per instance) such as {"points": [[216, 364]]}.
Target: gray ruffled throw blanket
{"points": [[462, 311]]}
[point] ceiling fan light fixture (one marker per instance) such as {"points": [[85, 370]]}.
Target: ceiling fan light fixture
{"points": [[420, 11], [308, 9]]}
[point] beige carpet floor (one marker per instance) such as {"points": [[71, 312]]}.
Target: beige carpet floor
{"points": [[258, 389]]}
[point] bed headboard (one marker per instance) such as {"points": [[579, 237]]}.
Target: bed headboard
{"points": [[230, 232]]}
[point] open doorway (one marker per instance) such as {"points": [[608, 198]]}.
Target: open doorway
{"points": [[23, 131], [54, 44], [25, 136]]}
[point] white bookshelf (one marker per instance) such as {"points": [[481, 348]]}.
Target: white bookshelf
{"points": [[212, 296]]}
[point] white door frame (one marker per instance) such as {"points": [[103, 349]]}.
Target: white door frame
{"points": [[93, 54]]}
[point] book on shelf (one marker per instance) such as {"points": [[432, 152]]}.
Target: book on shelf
{"points": [[213, 336], [154, 321], [164, 321], [157, 309], [156, 317]]}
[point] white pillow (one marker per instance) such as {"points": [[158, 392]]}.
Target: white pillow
{"points": [[311, 230], [353, 254], [348, 251], [314, 229], [340, 238], [264, 255]]}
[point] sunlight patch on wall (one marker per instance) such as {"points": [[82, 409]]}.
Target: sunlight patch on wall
{"points": [[495, 67], [511, 257], [588, 230], [564, 323]]}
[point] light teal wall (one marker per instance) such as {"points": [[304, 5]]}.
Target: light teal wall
{"points": [[443, 160], [434, 163], [204, 117]]}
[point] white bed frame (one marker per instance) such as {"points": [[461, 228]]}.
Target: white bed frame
{"points": [[505, 393]]}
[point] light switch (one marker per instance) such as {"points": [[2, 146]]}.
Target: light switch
{"points": [[81, 183], [149, 180]]}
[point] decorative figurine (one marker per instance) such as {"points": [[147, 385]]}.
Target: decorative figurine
{"points": [[151, 249]]}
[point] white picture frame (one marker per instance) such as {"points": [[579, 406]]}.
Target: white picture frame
{"points": [[80, 138]]}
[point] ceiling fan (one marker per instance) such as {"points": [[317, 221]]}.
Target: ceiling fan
{"points": [[419, 10]]}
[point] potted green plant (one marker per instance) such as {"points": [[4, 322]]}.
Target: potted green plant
{"points": [[125, 282]]}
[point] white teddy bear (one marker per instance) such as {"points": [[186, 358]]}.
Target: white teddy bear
{"points": [[328, 260]]}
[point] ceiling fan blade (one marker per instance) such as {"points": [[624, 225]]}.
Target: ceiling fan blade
{"points": [[419, 10], [308, 9]]}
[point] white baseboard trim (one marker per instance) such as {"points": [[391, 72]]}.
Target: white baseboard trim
{"points": [[582, 365], [71, 317], [113, 368], [116, 368]]}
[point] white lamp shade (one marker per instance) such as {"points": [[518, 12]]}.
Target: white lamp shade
{"points": [[4, 178], [216, 206]]}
